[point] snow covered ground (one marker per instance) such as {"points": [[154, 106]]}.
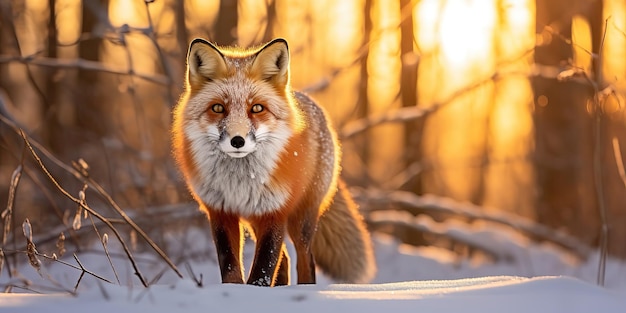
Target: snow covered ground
{"points": [[409, 279], [489, 294]]}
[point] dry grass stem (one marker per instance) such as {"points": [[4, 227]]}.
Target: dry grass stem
{"points": [[31, 250], [1, 260], [7, 213]]}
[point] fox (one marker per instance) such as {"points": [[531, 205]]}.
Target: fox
{"points": [[259, 156]]}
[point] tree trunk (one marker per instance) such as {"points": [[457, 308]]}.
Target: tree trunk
{"points": [[563, 131], [270, 20], [362, 104], [90, 93], [51, 108], [408, 94], [225, 29]]}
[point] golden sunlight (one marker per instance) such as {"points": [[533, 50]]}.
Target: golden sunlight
{"points": [[68, 20], [251, 24], [614, 63], [517, 26], [464, 28], [200, 15], [340, 19], [128, 12], [464, 42], [581, 38], [383, 68]]}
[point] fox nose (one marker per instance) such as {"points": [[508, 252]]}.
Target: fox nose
{"points": [[237, 142]]}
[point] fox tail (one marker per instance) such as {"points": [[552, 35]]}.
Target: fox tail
{"points": [[342, 246]]}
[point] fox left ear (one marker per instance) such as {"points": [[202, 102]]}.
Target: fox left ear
{"points": [[205, 62], [272, 62]]}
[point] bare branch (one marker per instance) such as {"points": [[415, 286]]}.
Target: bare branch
{"points": [[426, 224], [96, 186], [134, 226], [404, 114], [84, 65], [84, 206], [80, 267], [448, 206]]}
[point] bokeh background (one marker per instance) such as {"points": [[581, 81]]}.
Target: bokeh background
{"points": [[507, 111]]}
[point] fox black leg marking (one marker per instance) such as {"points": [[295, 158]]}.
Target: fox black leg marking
{"points": [[270, 234], [227, 237]]}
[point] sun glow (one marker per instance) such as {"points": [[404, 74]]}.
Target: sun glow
{"points": [[465, 26], [127, 12], [464, 42], [581, 37]]}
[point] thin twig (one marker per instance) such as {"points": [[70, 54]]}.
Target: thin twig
{"points": [[198, 280], [85, 207], [597, 173], [7, 214], [180, 212], [103, 241], [134, 226], [8, 288], [617, 153], [80, 266], [85, 271], [93, 184]]}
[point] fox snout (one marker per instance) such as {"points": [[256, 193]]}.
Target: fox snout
{"points": [[238, 140]]}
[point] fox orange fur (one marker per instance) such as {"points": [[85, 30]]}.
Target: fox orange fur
{"points": [[253, 152]]}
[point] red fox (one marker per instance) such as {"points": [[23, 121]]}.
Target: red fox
{"points": [[255, 153]]}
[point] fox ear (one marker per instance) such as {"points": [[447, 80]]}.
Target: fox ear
{"points": [[205, 62], [272, 62]]}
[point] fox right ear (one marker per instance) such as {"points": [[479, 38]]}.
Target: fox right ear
{"points": [[205, 62]]}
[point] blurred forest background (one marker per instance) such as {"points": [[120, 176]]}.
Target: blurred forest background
{"points": [[506, 111]]}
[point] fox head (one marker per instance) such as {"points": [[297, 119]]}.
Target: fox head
{"points": [[239, 100]]}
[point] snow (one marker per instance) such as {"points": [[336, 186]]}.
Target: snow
{"points": [[410, 279], [487, 294]]}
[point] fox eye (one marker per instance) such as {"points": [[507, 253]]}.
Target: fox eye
{"points": [[217, 108], [257, 108]]}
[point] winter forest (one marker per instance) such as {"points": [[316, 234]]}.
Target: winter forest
{"points": [[457, 118]]}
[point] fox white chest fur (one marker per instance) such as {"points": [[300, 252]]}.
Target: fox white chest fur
{"points": [[238, 185]]}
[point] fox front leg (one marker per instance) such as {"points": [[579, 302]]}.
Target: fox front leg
{"points": [[268, 254], [228, 241]]}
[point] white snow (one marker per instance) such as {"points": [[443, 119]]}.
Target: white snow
{"points": [[488, 294], [410, 279]]}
